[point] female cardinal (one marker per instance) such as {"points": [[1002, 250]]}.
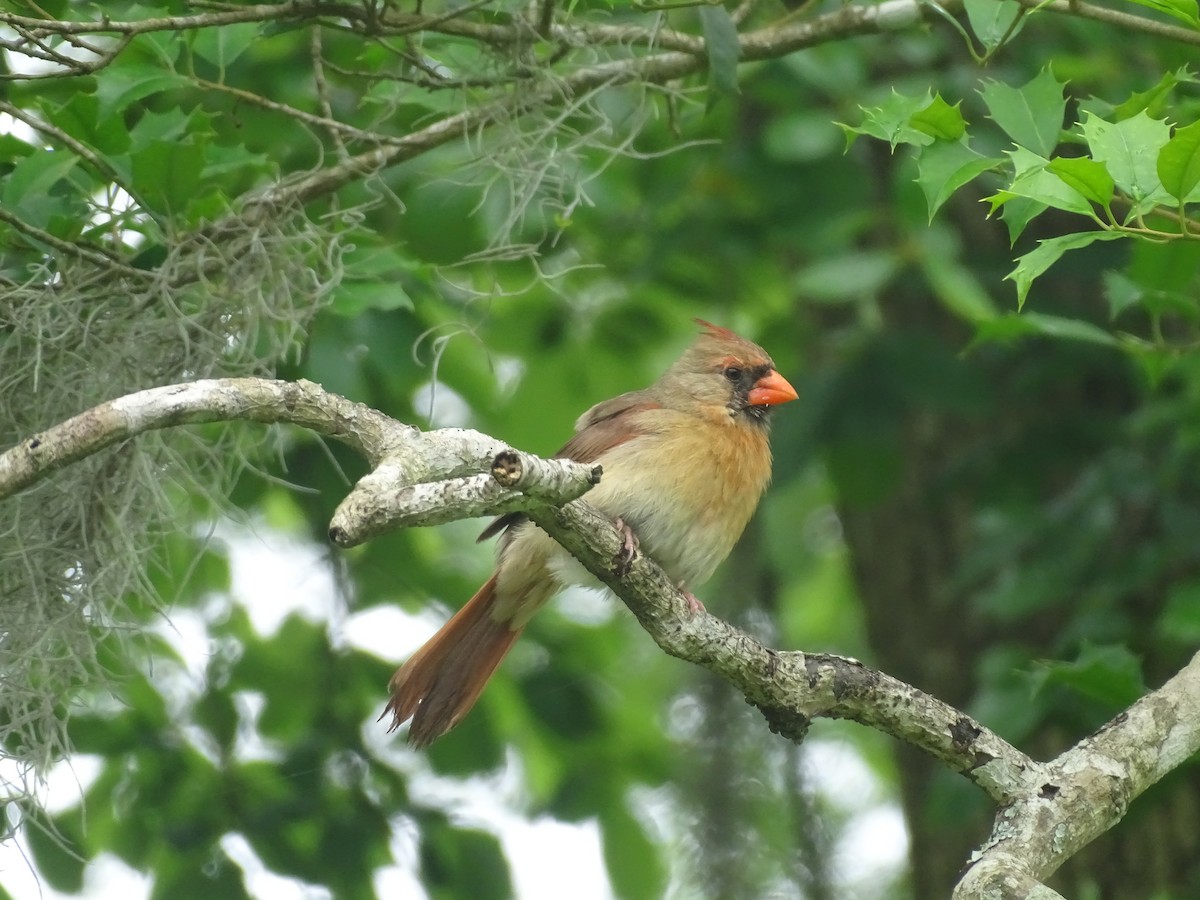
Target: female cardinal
{"points": [[685, 462]]}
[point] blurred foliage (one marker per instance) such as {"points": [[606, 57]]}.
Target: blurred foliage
{"points": [[997, 504]]}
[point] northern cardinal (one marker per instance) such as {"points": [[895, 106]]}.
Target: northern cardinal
{"points": [[685, 462]]}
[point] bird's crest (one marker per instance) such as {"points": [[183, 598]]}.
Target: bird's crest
{"points": [[717, 331]]}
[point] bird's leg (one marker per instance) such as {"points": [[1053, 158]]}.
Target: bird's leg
{"points": [[629, 544], [693, 602]]}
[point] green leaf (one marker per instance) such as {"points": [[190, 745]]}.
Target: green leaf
{"points": [[33, 177], [633, 861], [1086, 177], [13, 148], [158, 128], [1047, 253], [1154, 100], [1109, 673], [1180, 619], [1129, 149], [1033, 182], [1032, 115], [940, 120], [957, 287], [463, 862], [1069, 329], [166, 175], [1169, 267], [1179, 162], [848, 276], [723, 51], [991, 20], [122, 86], [221, 46], [353, 297], [1184, 10], [1021, 325], [1017, 213], [289, 717], [58, 858], [1121, 292], [81, 118], [197, 876], [375, 276], [215, 713], [945, 166], [891, 122], [799, 137]]}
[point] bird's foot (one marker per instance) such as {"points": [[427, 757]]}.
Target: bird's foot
{"points": [[628, 552], [695, 607]]}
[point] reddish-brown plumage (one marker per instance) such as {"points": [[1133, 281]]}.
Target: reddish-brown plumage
{"points": [[685, 463]]}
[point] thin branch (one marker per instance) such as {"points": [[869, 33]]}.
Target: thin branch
{"points": [[1123, 20], [295, 10], [655, 69], [770, 42], [300, 115], [322, 89], [94, 255], [80, 149]]}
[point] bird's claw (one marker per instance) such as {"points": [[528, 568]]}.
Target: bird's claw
{"points": [[695, 607], [628, 552]]}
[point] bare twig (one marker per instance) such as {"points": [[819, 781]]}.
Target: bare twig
{"points": [[94, 255]]}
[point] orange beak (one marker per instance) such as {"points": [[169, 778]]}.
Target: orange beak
{"points": [[772, 388]]}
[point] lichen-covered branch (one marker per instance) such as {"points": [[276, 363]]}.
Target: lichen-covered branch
{"points": [[392, 497], [424, 478], [789, 688], [210, 400], [1086, 791], [1048, 810]]}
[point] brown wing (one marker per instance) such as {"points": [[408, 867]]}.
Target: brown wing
{"points": [[606, 425], [601, 428]]}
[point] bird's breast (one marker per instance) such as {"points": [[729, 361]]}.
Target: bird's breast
{"points": [[687, 488]]}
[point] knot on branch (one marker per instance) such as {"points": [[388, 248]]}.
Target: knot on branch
{"points": [[532, 474], [786, 722]]}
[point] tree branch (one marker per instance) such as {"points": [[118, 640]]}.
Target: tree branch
{"points": [[1048, 810], [427, 478], [1086, 791]]}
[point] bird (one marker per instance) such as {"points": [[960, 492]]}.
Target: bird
{"points": [[685, 462]]}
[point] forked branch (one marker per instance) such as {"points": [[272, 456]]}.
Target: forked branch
{"points": [[1048, 811]]}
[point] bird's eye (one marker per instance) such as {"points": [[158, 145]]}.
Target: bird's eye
{"points": [[733, 373]]}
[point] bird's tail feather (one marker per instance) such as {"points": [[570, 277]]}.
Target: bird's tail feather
{"points": [[441, 682]]}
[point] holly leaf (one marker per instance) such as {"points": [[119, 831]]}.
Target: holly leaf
{"points": [[892, 121], [940, 120], [1035, 182], [992, 21], [1088, 178], [945, 166], [1154, 100], [1032, 115], [1178, 165], [1129, 149], [1037, 261], [1108, 673]]}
